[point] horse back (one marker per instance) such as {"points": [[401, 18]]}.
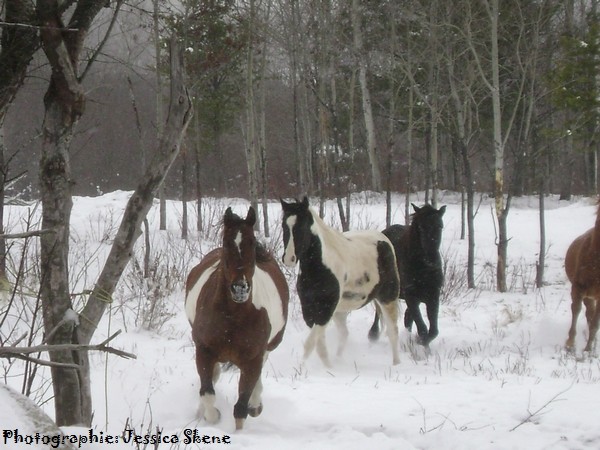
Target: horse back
{"points": [[373, 252]]}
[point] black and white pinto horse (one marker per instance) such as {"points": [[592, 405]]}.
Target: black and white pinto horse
{"points": [[417, 248], [339, 273]]}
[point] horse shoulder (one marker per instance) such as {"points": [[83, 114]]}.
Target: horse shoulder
{"points": [[271, 292], [197, 279]]}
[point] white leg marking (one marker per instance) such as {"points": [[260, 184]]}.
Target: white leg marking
{"points": [[317, 338], [322, 347], [340, 321], [256, 397], [390, 316], [311, 340], [211, 414]]}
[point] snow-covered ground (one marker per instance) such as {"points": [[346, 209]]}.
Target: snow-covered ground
{"points": [[497, 375]]}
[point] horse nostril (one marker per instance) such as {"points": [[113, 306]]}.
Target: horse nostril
{"points": [[240, 291]]}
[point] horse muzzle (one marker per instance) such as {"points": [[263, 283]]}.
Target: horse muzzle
{"points": [[289, 260], [240, 291]]}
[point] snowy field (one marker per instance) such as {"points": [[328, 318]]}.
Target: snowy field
{"points": [[497, 375]]}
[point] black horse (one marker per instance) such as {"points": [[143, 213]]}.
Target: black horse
{"points": [[417, 248]]}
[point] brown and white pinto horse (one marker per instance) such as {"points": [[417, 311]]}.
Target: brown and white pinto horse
{"points": [[237, 302], [582, 264]]}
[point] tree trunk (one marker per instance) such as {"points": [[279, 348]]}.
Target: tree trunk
{"points": [[467, 174], [197, 150], [409, 150], [500, 208], [251, 128], [376, 184], [3, 176], [184, 196], [64, 103], [162, 224]]}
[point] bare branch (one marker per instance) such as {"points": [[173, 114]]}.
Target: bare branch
{"points": [[19, 352], [531, 415], [27, 26], [101, 45], [26, 234]]}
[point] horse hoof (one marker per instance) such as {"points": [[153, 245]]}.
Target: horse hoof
{"points": [[213, 416], [570, 349], [255, 411], [423, 340]]}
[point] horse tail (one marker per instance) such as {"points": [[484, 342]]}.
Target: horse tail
{"points": [[389, 278]]}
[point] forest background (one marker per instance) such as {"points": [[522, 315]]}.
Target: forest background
{"points": [[289, 97], [345, 96]]}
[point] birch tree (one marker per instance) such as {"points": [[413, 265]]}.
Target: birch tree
{"points": [[361, 60]]}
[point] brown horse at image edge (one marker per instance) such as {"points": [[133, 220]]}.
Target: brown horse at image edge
{"points": [[582, 264]]}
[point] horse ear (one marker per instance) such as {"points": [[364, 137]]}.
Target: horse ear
{"points": [[228, 216], [442, 210], [283, 203], [251, 216], [415, 207], [305, 201]]}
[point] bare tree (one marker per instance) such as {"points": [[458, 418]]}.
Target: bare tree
{"points": [[361, 61], [64, 105]]}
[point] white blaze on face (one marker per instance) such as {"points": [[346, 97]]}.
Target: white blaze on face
{"points": [[238, 242], [289, 253]]}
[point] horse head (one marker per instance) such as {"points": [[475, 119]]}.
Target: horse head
{"points": [[239, 253], [429, 223], [296, 223]]}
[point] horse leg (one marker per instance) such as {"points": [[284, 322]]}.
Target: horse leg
{"points": [[342, 326], [415, 314], [207, 367], [374, 330], [255, 406], [592, 314], [433, 308], [408, 319], [390, 316], [316, 338], [249, 376], [576, 301]]}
